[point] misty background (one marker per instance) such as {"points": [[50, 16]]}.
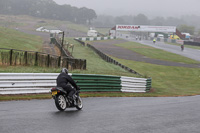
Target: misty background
{"points": [[151, 8], [183, 14]]}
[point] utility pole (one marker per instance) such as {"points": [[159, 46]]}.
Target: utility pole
{"points": [[61, 47], [62, 43]]}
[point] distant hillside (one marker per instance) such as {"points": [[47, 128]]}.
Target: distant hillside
{"points": [[47, 9]]}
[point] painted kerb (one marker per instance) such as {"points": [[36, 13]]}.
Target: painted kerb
{"points": [[25, 83]]}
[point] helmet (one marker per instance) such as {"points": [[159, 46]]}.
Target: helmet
{"points": [[64, 70]]}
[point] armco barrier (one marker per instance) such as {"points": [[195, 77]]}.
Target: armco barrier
{"points": [[94, 38], [24, 83], [98, 82]]}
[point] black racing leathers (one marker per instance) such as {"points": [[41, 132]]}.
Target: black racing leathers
{"points": [[62, 81]]}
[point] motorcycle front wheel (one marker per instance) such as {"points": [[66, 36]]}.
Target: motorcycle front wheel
{"points": [[60, 102], [79, 105]]}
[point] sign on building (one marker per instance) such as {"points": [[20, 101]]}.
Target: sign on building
{"points": [[145, 28]]}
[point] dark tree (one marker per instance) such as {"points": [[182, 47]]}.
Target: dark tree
{"points": [[47, 9]]}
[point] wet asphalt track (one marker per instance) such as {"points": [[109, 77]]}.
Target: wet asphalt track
{"points": [[104, 115], [188, 52]]}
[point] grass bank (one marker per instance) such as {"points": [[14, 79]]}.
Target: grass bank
{"points": [[14, 39], [95, 64], [168, 80]]}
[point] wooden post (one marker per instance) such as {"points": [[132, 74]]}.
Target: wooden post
{"points": [[48, 60], [63, 35], [11, 53], [26, 57], [36, 58], [59, 61], [84, 65], [72, 49]]}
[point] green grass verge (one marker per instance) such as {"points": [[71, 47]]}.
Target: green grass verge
{"points": [[17, 40], [156, 53], [168, 80]]}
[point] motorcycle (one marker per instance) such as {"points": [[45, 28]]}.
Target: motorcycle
{"points": [[62, 101], [182, 47]]}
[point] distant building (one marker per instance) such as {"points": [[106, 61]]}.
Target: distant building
{"points": [[92, 33], [49, 29], [197, 39]]}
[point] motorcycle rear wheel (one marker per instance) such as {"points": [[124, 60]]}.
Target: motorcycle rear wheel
{"points": [[60, 102]]}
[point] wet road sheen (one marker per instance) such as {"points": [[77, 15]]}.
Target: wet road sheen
{"points": [[104, 115]]}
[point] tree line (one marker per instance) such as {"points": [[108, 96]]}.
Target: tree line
{"points": [[47, 9]]}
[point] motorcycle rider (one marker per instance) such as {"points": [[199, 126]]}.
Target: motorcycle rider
{"points": [[154, 40], [182, 47], [63, 81]]}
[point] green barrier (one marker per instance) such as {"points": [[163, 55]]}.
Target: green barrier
{"points": [[97, 82], [93, 83], [148, 84]]}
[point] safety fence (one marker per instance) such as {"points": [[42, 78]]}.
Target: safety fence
{"points": [[94, 38], [57, 42], [32, 58], [25, 83], [192, 43]]}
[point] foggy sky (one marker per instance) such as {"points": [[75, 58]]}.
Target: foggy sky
{"points": [[151, 8]]}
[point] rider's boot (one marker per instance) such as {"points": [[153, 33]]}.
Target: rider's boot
{"points": [[72, 99]]}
